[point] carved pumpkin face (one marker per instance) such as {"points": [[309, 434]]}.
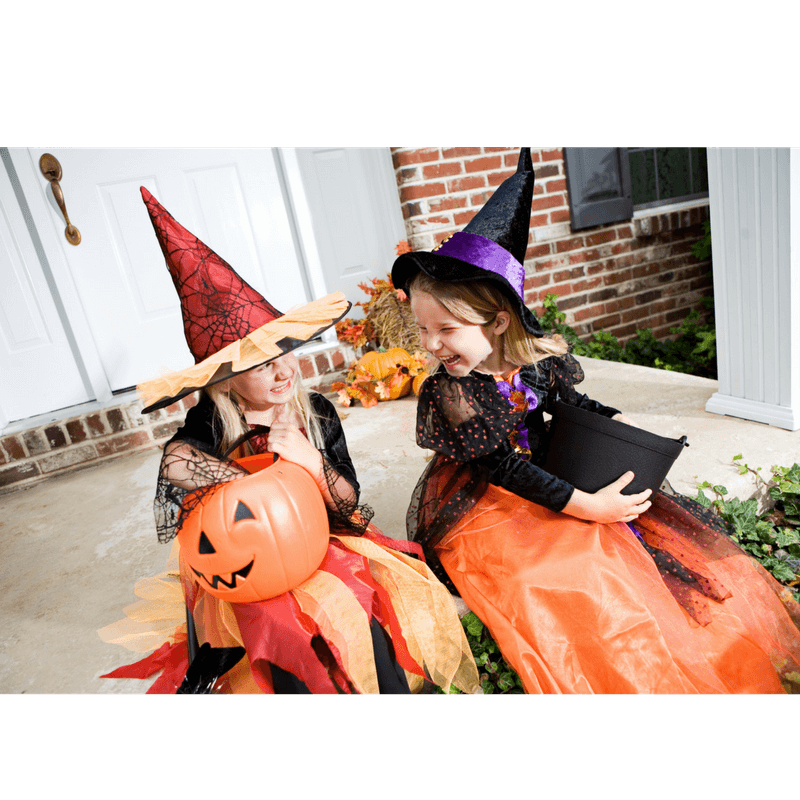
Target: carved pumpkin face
{"points": [[257, 537]]}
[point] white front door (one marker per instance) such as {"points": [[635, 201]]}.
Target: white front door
{"points": [[355, 213], [295, 224], [38, 370], [233, 200]]}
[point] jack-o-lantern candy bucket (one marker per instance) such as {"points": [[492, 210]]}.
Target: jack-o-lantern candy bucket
{"points": [[259, 536]]}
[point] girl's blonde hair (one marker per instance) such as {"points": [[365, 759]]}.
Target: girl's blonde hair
{"points": [[230, 408], [478, 303]]}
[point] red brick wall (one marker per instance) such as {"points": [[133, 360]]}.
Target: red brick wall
{"points": [[620, 277], [27, 456]]}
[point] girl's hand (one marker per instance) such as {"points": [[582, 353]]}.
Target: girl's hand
{"points": [[286, 439], [609, 504], [627, 420]]}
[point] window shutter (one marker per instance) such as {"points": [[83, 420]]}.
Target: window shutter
{"points": [[599, 184]]}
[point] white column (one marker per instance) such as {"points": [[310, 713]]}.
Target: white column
{"points": [[754, 196]]}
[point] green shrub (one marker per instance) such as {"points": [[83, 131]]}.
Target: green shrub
{"points": [[693, 351], [701, 249]]}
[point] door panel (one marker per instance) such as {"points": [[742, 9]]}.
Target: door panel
{"points": [[231, 199], [355, 210], [38, 372], [110, 300]]}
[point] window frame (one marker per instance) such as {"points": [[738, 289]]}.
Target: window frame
{"points": [[587, 213], [653, 204]]}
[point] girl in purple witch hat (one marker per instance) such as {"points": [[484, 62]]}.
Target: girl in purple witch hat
{"points": [[576, 602]]}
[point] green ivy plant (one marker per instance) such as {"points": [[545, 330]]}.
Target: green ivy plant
{"points": [[773, 536], [495, 674]]}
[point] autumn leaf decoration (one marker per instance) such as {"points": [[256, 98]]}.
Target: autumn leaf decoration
{"points": [[370, 381]]}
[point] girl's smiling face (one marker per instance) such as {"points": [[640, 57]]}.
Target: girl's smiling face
{"points": [[460, 346], [268, 385]]}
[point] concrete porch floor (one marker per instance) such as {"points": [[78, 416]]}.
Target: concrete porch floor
{"points": [[75, 545]]}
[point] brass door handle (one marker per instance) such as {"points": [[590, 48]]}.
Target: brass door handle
{"points": [[51, 169]]}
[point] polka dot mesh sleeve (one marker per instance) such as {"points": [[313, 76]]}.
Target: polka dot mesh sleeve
{"points": [[463, 418], [467, 420]]}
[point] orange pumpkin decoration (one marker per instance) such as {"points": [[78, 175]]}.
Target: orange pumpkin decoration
{"points": [[259, 536], [416, 384], [388, 364]]}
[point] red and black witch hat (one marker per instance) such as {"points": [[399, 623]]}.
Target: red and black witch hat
{"points": [[490, 248], [229, 327]]}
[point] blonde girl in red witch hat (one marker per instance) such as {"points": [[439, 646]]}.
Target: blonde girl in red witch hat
{"points": [[350, 611], [578, 600]]}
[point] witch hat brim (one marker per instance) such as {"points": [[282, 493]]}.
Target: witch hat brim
{"points": [[230, 327], [265, 344], [491, 247]]}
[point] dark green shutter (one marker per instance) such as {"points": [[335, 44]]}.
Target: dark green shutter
{"points": [[599, 184]]}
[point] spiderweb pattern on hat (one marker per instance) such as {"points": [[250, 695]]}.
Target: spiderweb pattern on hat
{"points": [[229, 327], [217, 305]]}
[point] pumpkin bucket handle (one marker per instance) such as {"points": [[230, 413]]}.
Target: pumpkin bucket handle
{"points": [[255, 431]]}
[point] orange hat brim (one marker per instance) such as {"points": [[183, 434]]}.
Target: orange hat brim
{"points": [[272, 340]]}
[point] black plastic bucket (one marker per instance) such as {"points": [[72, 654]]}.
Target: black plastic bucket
{"points": [[590, 451]]}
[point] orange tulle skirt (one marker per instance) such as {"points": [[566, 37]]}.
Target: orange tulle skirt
{"points": [[579, 607]]}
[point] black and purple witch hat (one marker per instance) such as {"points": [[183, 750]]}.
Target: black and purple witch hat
{"points": [[490, 248]]}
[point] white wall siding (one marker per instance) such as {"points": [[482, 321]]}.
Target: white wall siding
{"points": [[754, 196]]}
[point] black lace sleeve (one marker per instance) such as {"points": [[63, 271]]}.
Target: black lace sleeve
{"points": [[192, 457], [335, 452], [564, 373], [198, 466], [349, 517]]}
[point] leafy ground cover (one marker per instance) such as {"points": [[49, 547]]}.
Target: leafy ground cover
{"points": [[772, 536]]}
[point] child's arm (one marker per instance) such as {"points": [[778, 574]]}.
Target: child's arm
{"points": [[289, 443], [532, 483], [462, 421], [188, 467], [190, 460], [333, 471], [564, 373]]}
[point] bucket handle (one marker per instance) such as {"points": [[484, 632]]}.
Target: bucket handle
{"points": [[683, 440], [256, 430]]}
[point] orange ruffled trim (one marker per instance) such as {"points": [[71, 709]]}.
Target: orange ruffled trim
{"points": [[414, 608], [254, 349]]}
